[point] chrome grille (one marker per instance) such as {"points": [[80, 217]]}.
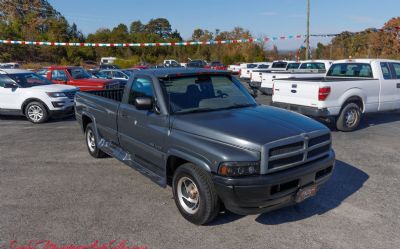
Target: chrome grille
{"points": [[295, 151]]}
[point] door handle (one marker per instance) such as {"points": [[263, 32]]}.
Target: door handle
{"points": [[124, 115]]}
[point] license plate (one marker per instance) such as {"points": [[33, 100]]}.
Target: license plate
{"points": [[305, 193]]}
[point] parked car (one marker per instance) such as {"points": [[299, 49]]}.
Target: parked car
{"points": [[28, 94], [351, 89], [256, 74], [234, 69], [141, 67], [130, 71], [96, 73], [171, 63], [307, 69], [216, 65], [202, 133], [115, 74], [79, 77], [196, 64], [245, 69], [9, 65], [108, 66]]}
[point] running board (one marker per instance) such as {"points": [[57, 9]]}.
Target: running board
{"points": [[128, 159]]}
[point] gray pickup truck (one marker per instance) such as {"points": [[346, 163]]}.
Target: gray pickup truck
{"points": [[202, 133]]}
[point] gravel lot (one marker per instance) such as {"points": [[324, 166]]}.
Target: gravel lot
{"points": [[51, 189]]}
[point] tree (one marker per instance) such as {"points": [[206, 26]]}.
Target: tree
{"points": [[136, 27], [159, 26]]}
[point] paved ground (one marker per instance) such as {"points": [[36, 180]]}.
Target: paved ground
{"points": [[50, 188]]}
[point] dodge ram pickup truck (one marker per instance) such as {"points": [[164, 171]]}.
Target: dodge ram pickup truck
{"points": [[200, 131], [350, 89], [307, 69], [79, 77]]}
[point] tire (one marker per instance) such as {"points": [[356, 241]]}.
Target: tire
{"points": [[200, 205], [36, 113], [349, 118], [91, 143]]}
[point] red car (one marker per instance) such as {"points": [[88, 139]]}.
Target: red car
{"points": [[78, 77], [216, 65]]}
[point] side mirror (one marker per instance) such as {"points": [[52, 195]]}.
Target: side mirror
{"points": [[10, 85], [254, 93], [144, 103]]}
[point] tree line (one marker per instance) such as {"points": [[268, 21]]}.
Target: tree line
{"points": [[37, 20]]}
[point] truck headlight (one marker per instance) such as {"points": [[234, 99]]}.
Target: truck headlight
{"points": [[239, 168], [56, 95]]}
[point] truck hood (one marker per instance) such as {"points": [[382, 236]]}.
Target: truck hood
{"points": [[54, 88], [249, 127], [94, 81]]}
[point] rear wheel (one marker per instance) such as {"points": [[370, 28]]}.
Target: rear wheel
{"points": [[349, 118], [91, 143], [195, 195], [36, 113]]}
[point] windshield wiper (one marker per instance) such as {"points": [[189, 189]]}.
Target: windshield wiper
{"points": [[197, 110], [239, 106]]}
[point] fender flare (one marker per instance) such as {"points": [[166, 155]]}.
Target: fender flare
{"points": [[190, 157], [353, 93]]}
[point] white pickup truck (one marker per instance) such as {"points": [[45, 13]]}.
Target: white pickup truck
{"points": [[307, 69], [28, 94], [247, 68], [350, 89]]}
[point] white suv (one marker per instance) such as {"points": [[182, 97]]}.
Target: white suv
{"points": [[28, 94]]}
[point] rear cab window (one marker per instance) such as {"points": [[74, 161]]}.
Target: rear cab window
{"points": [[280, 64], [356, 70]]}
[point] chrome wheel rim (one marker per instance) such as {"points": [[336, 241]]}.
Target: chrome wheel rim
{"points": [[188, 195], [91, 142], [35, 113], [351, 117]]}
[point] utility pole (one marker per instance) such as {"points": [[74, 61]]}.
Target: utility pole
{"points": [[308, 31]]}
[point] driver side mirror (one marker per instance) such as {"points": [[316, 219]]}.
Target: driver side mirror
{"points": [[10, 85], [254, 93], [144, 103]]}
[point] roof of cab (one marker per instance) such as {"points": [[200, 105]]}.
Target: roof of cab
{"points": [[176, 72], [364, 60]]}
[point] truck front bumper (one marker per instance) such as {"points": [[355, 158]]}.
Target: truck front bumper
{"points": [[266, 90], [260, 194], [306, 110], [255, 84]]}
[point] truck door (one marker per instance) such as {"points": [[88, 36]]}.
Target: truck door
{"points": [[9, 96], [395, 86], [59, 77], [142, 133]]}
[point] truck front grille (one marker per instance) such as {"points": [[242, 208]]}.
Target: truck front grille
{"points": [[297, 151], [113, 86]]}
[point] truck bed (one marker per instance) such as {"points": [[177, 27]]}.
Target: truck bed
{"points": [[114, 94]]}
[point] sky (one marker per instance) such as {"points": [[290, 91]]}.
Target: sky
{"points": [[261, 17]]}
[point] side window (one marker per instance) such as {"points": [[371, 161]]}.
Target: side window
{"points": [[386, 71], [5, 79], [141, 87], [58, 75], [396, 69]]}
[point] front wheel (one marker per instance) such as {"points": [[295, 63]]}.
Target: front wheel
{"points": [[36, 113], [349, 118], [195, 195]]}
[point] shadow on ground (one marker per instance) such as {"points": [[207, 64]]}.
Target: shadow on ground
{"points": [[346, 180], [51, 120]]}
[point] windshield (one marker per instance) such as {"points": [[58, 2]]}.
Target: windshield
{"points": [[204, 93], [293, 66], [312, 65], [361, 70], [25, 80], [280, 64], [79, 73], [264, 66]]}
